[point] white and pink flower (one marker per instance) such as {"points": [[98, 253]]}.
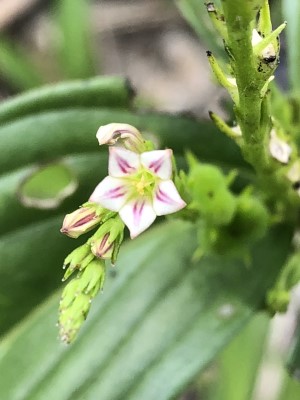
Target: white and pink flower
{"points": [[139, 187]]}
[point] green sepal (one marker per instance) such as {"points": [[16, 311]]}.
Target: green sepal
{"points": [[264, 26], [217, 18]]}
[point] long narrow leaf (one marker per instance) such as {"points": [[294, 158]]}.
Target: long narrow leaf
{"points": [[158, 323], [16, 66], [108, 91], [75, 53], [50, 135], [239, 362]]}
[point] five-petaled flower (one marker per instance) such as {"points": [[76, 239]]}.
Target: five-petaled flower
{"points": [[139, 187]]}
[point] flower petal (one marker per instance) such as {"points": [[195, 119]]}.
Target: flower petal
{"points": [[122, 162], [111, 193], [159, 162], [137, 215], [167, 199], [123, 135]]}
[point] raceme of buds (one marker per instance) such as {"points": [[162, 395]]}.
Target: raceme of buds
{"points": [[106, 242], [139, 187], [82, 220], [123, 135], [76, 299]]}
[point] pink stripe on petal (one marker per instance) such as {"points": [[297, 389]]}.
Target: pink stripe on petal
{"points": [[110, 193], [124, 166], [122, 162], [163, 197], [156, 165], [167, 199], [159, 162], [137, 215], [115, 193], [137, 212]]}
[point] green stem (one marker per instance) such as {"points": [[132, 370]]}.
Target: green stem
{"points": [[253, 109]]}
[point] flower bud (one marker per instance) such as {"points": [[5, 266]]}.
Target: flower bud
{"points": [[82, 220], [126, 135], [107, 240], [92, 278], [78, 259]]}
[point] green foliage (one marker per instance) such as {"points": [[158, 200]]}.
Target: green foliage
{"points": [[47, 187], [150, 323], [290, 389], [16, 66], [239, 362], [194, 12], [65, 124], [163, 313], [75, 52]]}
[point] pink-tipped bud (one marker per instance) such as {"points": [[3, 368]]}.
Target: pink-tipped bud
{"points": [[126, 135], [103, 247], [81, 221], [106, 242]]}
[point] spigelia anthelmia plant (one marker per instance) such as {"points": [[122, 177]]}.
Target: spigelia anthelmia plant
{"points": [[173, 230]]}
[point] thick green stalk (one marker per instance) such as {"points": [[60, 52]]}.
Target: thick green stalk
{"points": [[253, 110], [240, 22]]}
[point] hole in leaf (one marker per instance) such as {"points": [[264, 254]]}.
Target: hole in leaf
{"points": [[47, 186]]}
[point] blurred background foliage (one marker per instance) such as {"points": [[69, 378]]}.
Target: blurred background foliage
{"points": [[163, 328]]}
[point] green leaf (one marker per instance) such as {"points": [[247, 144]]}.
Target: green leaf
{"points": [[158, 323], [291, 13], [31, 262], [16, 66], [239, 362], [108, 91], [49, 135], [75, 53], [48, 186], [14, 215], [293, 361], [290, 389]]}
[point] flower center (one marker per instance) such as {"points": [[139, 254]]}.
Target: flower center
{"points": [[143, 183]]}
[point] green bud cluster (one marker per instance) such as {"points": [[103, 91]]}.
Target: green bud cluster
{"points": [[88, 261], [227, 223], [76, 299]]}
